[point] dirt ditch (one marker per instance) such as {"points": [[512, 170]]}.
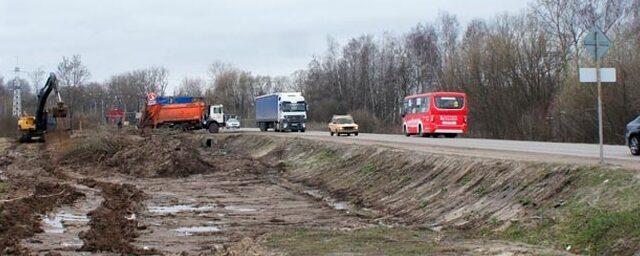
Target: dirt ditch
{"points": [[468, 197], [173, 193]]}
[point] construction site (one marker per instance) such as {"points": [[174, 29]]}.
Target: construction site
{"points": [[167, 192], [338, 128]]}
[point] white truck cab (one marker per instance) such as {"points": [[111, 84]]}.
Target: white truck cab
{"points": [[283, 111], [215, 118]]}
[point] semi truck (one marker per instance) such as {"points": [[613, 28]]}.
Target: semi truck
{"points": [[186, 113], [283, 111]]}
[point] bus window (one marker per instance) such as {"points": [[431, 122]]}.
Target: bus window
{"points": [[425, 105], [414, 106], [407, 106], [449, 102]]}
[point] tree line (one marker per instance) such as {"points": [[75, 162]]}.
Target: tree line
{"points": [[520, 72]]}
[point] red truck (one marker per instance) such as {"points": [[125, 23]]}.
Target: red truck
{"points": [[186, 113]]}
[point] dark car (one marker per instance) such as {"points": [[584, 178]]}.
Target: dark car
{"points": [[633, 136]]}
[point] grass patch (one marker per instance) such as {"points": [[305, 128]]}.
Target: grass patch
{"points": [[480, 191], [368, 169], [327, 155], [465, 180], [526, 201], [3, 188], [368, 241], [587, 230], [602, 218]]}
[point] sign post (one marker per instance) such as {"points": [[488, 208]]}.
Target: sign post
{"points": [[597, 45]]}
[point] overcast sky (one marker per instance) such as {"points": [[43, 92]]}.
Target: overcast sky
{"points": [[268, 37]]}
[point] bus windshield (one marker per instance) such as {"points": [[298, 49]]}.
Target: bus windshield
{"points": [[294, 107], [449, 102]]}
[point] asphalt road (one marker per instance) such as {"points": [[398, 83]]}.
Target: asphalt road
{"points": [[577, 153]]}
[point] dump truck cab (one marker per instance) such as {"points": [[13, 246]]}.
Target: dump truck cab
{"points": [[215, 118]]}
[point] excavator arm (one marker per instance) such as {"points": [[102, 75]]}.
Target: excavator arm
{"points": [[34, 127], [59, 110]]}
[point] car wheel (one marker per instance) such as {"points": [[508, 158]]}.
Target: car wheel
{"points": [[331, 133], [634, 145], [356, 134]]}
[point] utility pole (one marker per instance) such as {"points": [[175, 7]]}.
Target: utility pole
{"points": [[17, 93]]}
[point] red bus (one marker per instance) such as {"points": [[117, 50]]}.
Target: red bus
{"points": [[435, 114]]}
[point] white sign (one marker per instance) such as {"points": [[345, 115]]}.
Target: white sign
{"points": [[588, 75]]}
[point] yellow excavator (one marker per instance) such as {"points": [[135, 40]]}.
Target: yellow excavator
{"points": [[33, 128]]}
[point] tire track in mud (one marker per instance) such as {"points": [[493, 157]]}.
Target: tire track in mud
{"points": [[20, 217], [208, 213], [114, 223], [63, 225]]}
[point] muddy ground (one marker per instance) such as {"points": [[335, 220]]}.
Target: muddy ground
{"points": [[171, 193]]}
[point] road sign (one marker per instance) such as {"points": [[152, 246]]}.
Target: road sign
{"points": [[596, 43], [589, 75]]}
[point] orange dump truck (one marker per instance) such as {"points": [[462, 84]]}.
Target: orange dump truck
{"points": [[188, 115]]}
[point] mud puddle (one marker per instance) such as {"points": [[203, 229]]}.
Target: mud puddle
{"points": [[62, 227], [56, 224], [236, 208], [189, 231], [232, 205], [173, 209], [334, 203]]}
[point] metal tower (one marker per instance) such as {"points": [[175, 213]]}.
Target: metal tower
{"points": [[17, 94]]}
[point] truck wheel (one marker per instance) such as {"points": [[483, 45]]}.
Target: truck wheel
{"points": [[331, 133], [214, 128], [263, 127], [634, 145], [356, 134], [302, 130]]}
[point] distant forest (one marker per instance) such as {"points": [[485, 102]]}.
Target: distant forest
{"points": [[519, 70]]}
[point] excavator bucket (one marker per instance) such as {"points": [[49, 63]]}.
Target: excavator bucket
{"points": [[60, 110]]}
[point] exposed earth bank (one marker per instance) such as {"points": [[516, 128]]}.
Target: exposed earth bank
{"points": [[169, 193]]}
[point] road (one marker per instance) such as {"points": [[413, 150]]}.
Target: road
{"points": [[575, 153]]}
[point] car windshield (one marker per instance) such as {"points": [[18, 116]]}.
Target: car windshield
{"points": [[343, 120], [294, 107], [449, 102]]}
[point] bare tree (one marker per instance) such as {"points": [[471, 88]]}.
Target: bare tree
{"points": [[37, 78], [191, 87]]}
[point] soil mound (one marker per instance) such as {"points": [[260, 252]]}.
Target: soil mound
{"points": [[161, 156], [114, 225]]}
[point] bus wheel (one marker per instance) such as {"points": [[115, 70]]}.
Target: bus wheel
{"points": [[451, 135], [420, 133], [404, 131]]}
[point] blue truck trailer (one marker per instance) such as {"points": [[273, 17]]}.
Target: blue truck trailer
{"points": [[281, 112]]}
